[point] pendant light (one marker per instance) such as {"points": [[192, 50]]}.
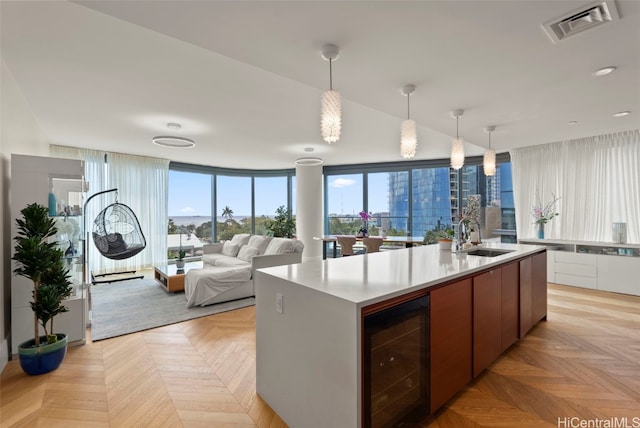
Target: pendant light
{"points": [[330, 120], [457, 145], [489, 161], [408, 137]]}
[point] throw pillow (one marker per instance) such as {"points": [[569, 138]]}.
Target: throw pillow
{"points": [[229, 249], [260, 242], [246, 253], [280, 246], [240, 239]]}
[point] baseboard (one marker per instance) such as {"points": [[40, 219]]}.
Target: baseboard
{"points": [[4, 354]]}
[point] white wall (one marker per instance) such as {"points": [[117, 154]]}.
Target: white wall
{"points": [[19, 133]]}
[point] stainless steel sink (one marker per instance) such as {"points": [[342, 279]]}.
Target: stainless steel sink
{"points": [[488, 252]]}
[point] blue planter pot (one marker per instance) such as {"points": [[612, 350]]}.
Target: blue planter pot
{"points": [[43, 359]]}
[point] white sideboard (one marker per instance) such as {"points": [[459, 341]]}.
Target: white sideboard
{"points": [[596, 265]]}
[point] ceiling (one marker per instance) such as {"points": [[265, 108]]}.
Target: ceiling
{"points": [[244, 78]]}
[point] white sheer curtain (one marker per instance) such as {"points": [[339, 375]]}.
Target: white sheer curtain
{"points": [[142, 185], [597, 180]]}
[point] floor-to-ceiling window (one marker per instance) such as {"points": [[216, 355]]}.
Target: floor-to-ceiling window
{"points": [[344, 196], [270, 194], [233, 202], [431, 196], [209, 204], [189, 209], [418, 197]]}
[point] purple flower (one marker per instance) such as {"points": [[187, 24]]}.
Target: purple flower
{"points": [[365, 216]]}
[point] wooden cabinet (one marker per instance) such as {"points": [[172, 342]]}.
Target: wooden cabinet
{"points": [[533, 291], [539, 288], [487, 319], [509, 306], [450, 340]]}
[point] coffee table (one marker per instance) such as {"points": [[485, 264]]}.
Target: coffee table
{"points": [[171, 278]]}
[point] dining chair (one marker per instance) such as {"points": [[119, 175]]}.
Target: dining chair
{"points": [[372, 244], [346, 244]]}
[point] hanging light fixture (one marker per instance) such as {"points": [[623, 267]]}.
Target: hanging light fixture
{"points": [[173, 141], [330, 120], [457, 145], [408, 136], [489, 161]]}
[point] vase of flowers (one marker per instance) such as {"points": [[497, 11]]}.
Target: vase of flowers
{"points": [[363, 232], [543, 214]]}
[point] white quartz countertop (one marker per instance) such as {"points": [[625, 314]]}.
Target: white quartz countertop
{"points": [[369, 278]]}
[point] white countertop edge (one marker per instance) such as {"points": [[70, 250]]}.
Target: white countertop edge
{"points": [[344, 278], [552, 241]]}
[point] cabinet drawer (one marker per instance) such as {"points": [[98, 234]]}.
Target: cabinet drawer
{"points": [[576, 281], [582, 259], [588, 271]]}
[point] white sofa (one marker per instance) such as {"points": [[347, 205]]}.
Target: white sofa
{"points": [[228, 267]]}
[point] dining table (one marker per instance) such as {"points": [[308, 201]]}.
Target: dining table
{"points": [[407, 241]]}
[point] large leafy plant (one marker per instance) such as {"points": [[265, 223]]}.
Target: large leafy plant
{"points": [[282, 225], [42, 262]]}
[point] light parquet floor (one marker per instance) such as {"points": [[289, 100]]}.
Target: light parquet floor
{"points": [[583, 362]]}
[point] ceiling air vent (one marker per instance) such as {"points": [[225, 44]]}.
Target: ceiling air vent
{"points": [[578, 21]]}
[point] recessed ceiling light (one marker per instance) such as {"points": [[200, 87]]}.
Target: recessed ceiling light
{"points": [[622, 113], [572, 122], [308, 149], [174, 142], [172, 125], [604, 71]]}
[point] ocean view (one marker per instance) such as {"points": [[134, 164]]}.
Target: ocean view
{"points": [[199, 219]]}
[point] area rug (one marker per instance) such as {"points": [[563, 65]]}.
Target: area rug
{"points": [[140, 304]]}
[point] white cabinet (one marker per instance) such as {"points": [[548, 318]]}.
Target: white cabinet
{"points": [[596, 265], [619, 274], [576, 269], [58, 184]]}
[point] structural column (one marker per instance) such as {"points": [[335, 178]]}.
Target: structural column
{"points": [[309, 212]]}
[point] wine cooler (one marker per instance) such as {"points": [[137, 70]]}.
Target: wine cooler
{"points": [[396, 365]]}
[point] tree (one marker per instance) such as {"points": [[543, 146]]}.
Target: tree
{"points": [[227, 212], [42, 262], [172, 228], [282, 225]]}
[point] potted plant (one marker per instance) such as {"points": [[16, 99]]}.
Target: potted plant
{"points": [[443, 236], [445, 239], [181, 252], [282, 225], [42, 262]]}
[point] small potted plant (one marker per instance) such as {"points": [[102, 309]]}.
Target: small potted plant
{"points": [[445, 238], [42, 262], [181, 252]]}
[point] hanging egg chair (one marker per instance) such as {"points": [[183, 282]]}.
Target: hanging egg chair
{"points": [[117, 233]]}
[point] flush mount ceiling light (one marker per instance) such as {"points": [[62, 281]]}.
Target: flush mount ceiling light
{"points": [[604, 71], [622, 113], [330, 118], [309, 162], [408, 136], [174, 142], [457, 145], [489, 160], [572, 122]]}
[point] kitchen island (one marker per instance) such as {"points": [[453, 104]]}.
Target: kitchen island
{"points": [[329, 353]]}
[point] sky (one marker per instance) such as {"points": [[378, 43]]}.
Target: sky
{"points": [[190, 194]]}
